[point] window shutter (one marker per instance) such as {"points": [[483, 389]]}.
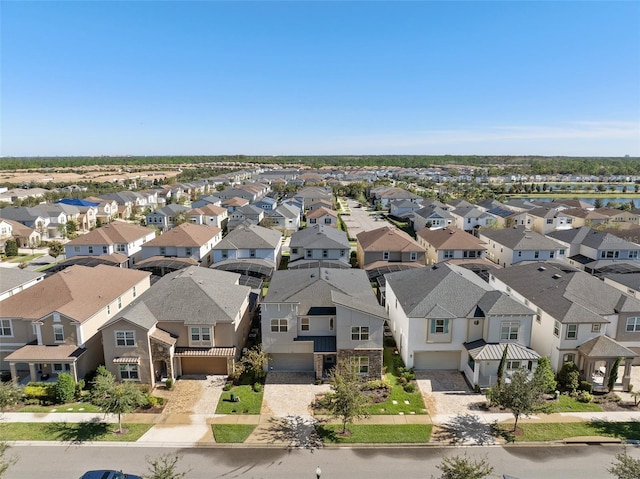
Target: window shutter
{"points": [[433, 326], [446, 326]]}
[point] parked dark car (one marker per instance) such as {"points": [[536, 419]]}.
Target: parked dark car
{"points": [[108, 474]]}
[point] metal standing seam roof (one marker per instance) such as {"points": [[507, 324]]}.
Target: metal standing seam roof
{"points": [[220, 352], [480, 350], [321, 344]]}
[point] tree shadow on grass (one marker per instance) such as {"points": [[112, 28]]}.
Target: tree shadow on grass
{"points": [[622, 430], [467, 429], [295, 431], [78, 432]]}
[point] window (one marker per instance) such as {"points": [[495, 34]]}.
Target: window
{"points": [[413, 256], [633, 254], [513, 365], [279, 325], [633, 324], [385, 255], [610, 254], [360, 333], [104, 250], [294, 250], [325, 253], [469, 254], [538, 315], [331, 324], [134, 291], [120, 302], [572, 331], [360, 364], [304, 324], [440, 326], [121, 248], [556, 329], [59, 367], [76, 249], [5, 328], [252, 253], [129, 372], [125, 338], [327, 221], [595, 327], [200, 334], [519, 254], [536, 254], [90, 249], [163, 250], [343, 252], [552, 254], [58, 333], [447, 254], [561, 252], [108, 309], [569, 358], [224, 253], [187, 251], [549, 221], [309, 253], [509, 331]]}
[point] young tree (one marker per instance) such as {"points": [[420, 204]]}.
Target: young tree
{"points": [[72, 228], [569, 376], [462, 467], [11, 248], [164, 467], [255, 360], [545, 376], [55, 249], [521, 395], [65, 388], [115, 398], [347, 400], [502, 364], [613, 374], [625, 467]]}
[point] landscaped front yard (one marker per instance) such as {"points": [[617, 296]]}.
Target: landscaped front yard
{"points": [[232, 433], [375, 433], [558, 431], [71, 432]]}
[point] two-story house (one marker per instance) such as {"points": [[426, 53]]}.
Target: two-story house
{"points": [[590, 249], [387, 249], [450, 243], [319, 245], [446, 317], [187, 241], [313, 318], [232, 204], [15, 280], [432, 217], [164, 218], [52, 327], [209, 215], [192, 321], [107, 210], [311, 194], [247, 213], [468, 218], [512, 245], [322, 216], [403, 208], [578, 317], [544, 220], [116, 237], [285, 218]]}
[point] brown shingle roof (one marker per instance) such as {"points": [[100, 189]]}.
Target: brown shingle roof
{"points": [[78, 292], [387, 238], [33, 352], [317, 213], [186, 234], [235, 201], [114, 233], [451, 238]]}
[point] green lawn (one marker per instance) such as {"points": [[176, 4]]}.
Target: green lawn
{"points": [[71, 432], [71, 407], [558, 431], [250, 401], [568, 404], [24, 257], [375, 433], [232, 432]]}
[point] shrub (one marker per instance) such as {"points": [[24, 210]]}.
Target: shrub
{"points": [[410, 388], [582, 396], [569, 377], [65, 388], [41, 392], [585, 386], [169, 384], [257, 387], [79, 388], [375, 384], [149, 401], [409, 375], [476, 388], [227, 387]]}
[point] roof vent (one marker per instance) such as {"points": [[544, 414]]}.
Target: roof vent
{"points": [[542, 268], [556, 276]]}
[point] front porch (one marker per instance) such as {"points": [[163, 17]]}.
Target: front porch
{"points": [[484, 359], [44, 362], [597, 358]]}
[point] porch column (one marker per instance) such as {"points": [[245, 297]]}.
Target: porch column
{"points": [[318, 361], [33, 372], [626, 379], [476, 374], [14, 372]]}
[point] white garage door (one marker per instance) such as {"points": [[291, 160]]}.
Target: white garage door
{"points": [[291, 362], [437, 360]]}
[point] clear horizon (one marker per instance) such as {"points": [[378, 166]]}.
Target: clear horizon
{"points": [[271, 78]]}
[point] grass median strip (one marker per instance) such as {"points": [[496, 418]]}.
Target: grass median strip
{"points": [[375, 433], [71, 407], [71, 432], [232, 433], [557, 431]]}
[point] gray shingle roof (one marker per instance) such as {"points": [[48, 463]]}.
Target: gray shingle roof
{"points": [[604, 347], [250, 237], [567, 294], [520, 239], [319, 237], [593, 239]]}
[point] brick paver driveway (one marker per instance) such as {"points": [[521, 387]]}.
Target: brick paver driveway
{"points": [[290, 394], [447, 392]]}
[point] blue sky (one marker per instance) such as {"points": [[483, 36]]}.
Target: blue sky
{"points": [[315, 78]]}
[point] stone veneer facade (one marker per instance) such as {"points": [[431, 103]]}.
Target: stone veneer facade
{"points": [[375, 360]]}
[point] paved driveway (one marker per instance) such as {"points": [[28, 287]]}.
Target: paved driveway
{"points": [[360, 220], [290, 394], [447, 392]]}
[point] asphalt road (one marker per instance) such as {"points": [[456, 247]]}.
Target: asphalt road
{"points": [[524, 462]]}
